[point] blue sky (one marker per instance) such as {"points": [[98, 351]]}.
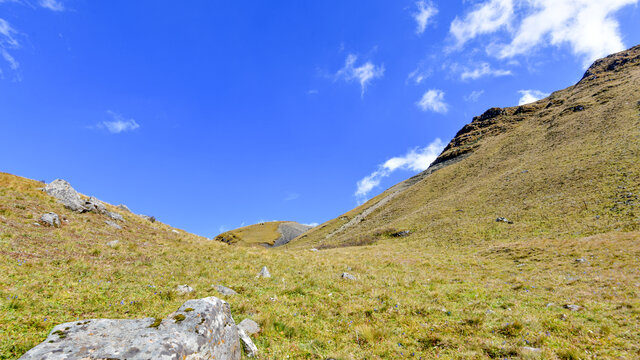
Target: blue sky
{"points": [[214, 114]]}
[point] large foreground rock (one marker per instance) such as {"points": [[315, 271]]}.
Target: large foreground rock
{"points": [[66, 195], [200, 329]]}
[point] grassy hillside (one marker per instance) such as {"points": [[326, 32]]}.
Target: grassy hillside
{"points": [[460, 286], [262, 234], [565, 166]]}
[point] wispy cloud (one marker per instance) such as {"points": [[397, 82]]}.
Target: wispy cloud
{"points": [[433, 100], [119, 124], [426, 10], [417, 159], [52, 5], [420, 74], [363, 74], [474, 96], [292, 196], [529, 96], [483, 70], [314, 224], [588, 27], [8, 41]]}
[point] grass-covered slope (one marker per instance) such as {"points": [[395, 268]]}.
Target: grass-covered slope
{"points": [[265, 234], [565, 166]]}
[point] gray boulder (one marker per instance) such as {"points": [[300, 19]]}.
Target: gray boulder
{"points": [[66, 195], [249, 347], [225, 290], [184, 289], [573, 307], [115, 216], [113, 244], [348, 276], [249, 326], [264, 273], [123, 207], [95, 205], [50, 219], [200, 329], [113, 225]]}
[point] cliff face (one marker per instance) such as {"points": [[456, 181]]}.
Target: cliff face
{"points": [[580, 140]]}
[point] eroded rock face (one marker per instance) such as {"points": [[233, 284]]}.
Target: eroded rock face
{"points": [[66, 195], [50, 219], [200, 329]]}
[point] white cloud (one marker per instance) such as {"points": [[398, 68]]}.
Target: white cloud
{"points": [[312, 92], [419, 75], [484, 70], [474, 96], [119, 124], [588, 27], [415, 160], [433, 100], [426, 10], [8, 41], [314, 224], [529, 96], [484, 19], [364, 73], [53, 5]]}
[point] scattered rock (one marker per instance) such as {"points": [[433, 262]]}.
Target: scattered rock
{"points": [[113, 244], [249, 326], [113, 225], [50, 219], [184, 289], [550, 305], [115, 216], [581, 260], [264, 273], [249, 347], [206, 331], [66, 195], [225, 290], [175, 231], [314, 250], [148, 218], [577, 108], [531, 350], [504, 220], [123, 207], [401, 233], [95, 205], [573, 307], [348, 276]]}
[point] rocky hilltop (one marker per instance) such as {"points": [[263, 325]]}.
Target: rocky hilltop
{"points": [[267, 234]]}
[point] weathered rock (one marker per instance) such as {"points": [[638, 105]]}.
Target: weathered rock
{"points": [[249, 347], [66, 195], [95, 205], [148, 218], [115, 216], [249, 326], [123, 207], [530, 350], [225, 290], [264, 273], [573, 307], [50, 219], [314, 250], [401, 233], [200, 329], [113, 225], [504, 220], [175, 231], [581, 260], [184, 289], [113, 244], [348, 276]]}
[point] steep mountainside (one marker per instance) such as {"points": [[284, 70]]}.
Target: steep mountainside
{"points": [[267, 234], [567, 165]]}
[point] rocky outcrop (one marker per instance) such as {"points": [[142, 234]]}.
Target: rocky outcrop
{"points": [[200, 329], [289, 231], [264, 273], [66, 195], [50, 219]]}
